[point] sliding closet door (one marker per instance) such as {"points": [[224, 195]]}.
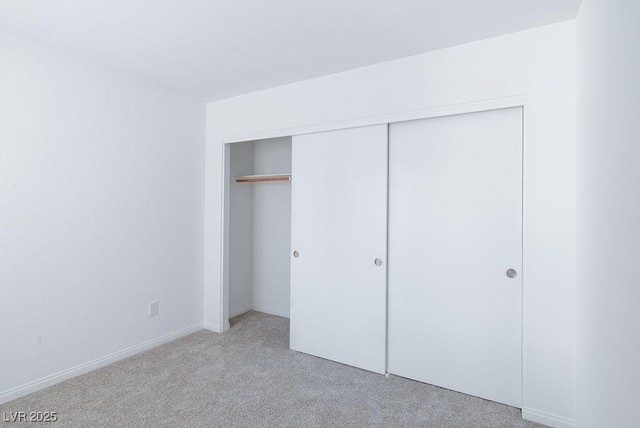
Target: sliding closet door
{"points": [[455, 251], [339, 246]]}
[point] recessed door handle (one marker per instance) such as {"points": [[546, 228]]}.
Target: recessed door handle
{"points": [[296, 254], [377, 262], [511, 273]]}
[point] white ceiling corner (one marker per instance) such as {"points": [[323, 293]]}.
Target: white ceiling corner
{"points": [[215, 49]]}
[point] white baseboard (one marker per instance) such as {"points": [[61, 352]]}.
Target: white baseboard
{"points": [[239, 311], [548, 419], [36, 385], [271, 310], [212, 327]]}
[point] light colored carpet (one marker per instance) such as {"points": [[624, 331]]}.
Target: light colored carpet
{"points": [[248, 377]]}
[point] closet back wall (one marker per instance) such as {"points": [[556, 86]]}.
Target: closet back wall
{"points": [[271, 228], [537, 65], [259, 228]]}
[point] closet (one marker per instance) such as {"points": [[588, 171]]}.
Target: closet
{"points": [[405, 248], [259, 219]]}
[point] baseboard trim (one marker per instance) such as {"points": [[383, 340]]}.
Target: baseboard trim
{"points": [[271, 310], [50, 380], [216, 328], [548, 419], [239, 311]]}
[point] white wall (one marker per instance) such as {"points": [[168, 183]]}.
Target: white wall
{"points": [[272, 228], [539, 64], [101, 212], [608, 212], [240, 229]]}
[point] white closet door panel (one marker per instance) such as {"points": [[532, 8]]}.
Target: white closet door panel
{"points": [[339, 228], [455, 228]]}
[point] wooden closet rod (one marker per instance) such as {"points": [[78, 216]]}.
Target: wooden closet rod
{"points": [[263, 178]]}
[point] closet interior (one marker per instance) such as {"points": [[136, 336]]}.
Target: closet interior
{"points": [[260, 224]]}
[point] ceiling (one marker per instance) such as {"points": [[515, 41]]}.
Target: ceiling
{"points": [[214, 49]]}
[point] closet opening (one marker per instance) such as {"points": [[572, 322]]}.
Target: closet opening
{"points": [[258, 227]]}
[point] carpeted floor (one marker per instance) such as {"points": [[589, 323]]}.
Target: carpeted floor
{"points": [[248, 377]]}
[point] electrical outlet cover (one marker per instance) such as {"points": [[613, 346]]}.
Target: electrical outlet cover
{"points": [[153, 308]]}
